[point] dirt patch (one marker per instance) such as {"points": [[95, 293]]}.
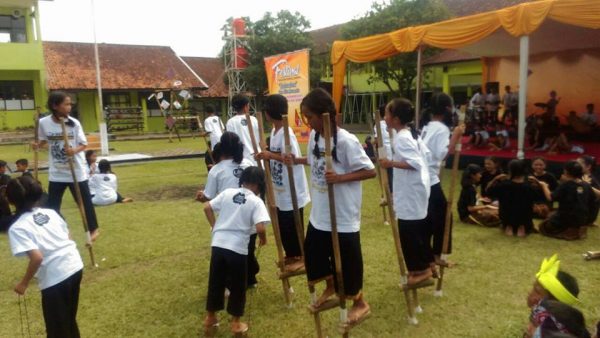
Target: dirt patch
{"points": [[169, 193]]}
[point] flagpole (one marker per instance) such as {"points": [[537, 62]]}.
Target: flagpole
{"points": [[101, 123]]}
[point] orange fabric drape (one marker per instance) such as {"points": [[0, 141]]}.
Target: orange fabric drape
{"points": [[518, 20]]}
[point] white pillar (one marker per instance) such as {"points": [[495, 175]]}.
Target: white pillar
{"points": [[419, 85], [101, 123], [523, 73]]}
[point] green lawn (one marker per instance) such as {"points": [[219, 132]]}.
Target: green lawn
{"points": [[154, 257]]}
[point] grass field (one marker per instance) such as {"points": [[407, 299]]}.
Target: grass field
{"points": [[154, 256]]}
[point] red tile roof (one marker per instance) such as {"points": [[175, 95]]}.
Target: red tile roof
{"points": [[212, 70], [323, 38], [71, 65]]}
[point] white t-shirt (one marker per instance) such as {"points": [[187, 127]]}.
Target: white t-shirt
{"points": [[239, 125], [242, 211], [44, 230], [104, 188], [348, 196], [214, 126], [57, 158], [504, 133], [386, 137], [484, 134], [279, 173], [411, 187], [224, 175], [436, 137]]}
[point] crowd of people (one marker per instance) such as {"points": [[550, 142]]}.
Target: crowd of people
{"points": [[234, 205]]}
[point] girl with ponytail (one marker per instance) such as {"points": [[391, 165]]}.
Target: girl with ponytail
{"points": [[350, 166]]}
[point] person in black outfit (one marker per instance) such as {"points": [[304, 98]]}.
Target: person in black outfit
{"points": [[541, 206], [573, 196], [492, 168], [588, 163], [468, 210], [515, 195]]}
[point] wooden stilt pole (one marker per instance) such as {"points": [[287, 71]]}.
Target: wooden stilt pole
{"points": [[271, 206], [36, 137], [448, 221], [334, 231], [298, 218], [395, 231], [380, 180], [78, 194]]}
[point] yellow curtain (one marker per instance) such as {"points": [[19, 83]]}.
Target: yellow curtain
{"points": [[518, 20]]}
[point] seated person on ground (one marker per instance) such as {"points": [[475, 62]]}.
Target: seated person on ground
{"points": [[480, 136], [502, 140], [554, 284], [551, 318], [103, 186], [22, 167], [468, 209], [541, 206]]}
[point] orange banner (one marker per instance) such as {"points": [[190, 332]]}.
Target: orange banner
{"points": [[288, 75]]}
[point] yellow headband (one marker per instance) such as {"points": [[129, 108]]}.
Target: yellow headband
{"points": [[547, 278]]}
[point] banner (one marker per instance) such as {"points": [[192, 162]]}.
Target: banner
{"points": [[288, 75]]}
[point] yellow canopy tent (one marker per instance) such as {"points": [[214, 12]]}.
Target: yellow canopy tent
{"points": [[481, 34]]}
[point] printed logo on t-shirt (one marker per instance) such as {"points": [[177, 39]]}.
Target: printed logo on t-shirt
{"points": [[237, 172], [40, 219], [318, 173], [580, 190], [215, 121], [243, 122], [277, 173], [239, 198], [106, 179]]}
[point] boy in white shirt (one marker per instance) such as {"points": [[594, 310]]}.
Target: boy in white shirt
{"points": [[411, 190], [213, 126], [350, 166], [275, 106], [60, 177], [239, 125], [241, 212], [43, 236]]}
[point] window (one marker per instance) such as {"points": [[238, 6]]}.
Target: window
{"points": [[12, 29], [16, 95], [117, 100], [151, 105]]}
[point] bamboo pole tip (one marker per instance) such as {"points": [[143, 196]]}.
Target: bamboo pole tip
{"points": [[413, 320], [438, 293]]}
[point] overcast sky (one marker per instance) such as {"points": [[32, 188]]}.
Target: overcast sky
{"points": [[190, 27]]}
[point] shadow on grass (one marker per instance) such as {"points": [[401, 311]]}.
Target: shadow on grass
{"points": [[168, 193]]}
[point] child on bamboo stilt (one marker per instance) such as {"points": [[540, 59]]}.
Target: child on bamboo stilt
{"points": [[588, 163], [436, 136], [60, 177], [411, 190], [574, 197], [276, 106], [541, 206], [516, 194], [469, 210], [238, 124], [350, 166], [43, 236], [225, 175], [241, 214]]}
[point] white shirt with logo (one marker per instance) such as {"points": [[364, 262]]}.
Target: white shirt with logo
{"points": [[214, 126], [58, 162], [436, 137], [279, 173], [239, 125], [103, 187], [224, 175], [411, 186], [44, 230], [348, 195], [240, 210]]}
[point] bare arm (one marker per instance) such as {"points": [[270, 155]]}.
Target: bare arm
{"points": [[359, 175], [35, 260], [210, 214], [385, 163], [261, 230]]}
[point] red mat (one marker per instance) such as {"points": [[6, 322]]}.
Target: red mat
{"points": [[590, 148]]}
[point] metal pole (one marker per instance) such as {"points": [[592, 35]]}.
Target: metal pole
{"points": [[101, 123], [419, 84], [523, 72]]}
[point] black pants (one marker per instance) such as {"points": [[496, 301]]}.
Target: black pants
{"points": [[56, 190], [59, 304], [289, 235], [320, 262], [415, 244], [390, 172], [436, 220], [252, 262], [227, 268]]}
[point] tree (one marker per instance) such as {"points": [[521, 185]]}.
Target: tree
{"points": [[271, 35], [398, 72]]}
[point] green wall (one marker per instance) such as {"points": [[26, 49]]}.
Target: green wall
{"points": [[13, 119]]}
